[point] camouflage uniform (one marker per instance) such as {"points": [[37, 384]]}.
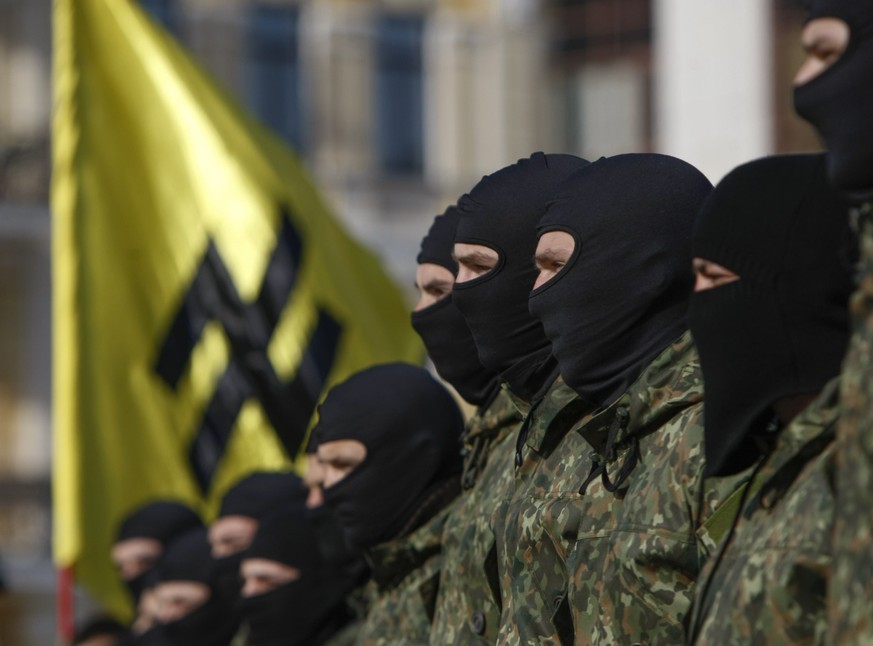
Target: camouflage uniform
{"points": [[611, 557], [531, 567], [405, 580], [468, 605], [850, 598], [358, 602], [768, 583]]}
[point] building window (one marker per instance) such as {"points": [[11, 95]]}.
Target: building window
{"points": [[601, 29], [273, 66], [166, 13], [399, 100]]}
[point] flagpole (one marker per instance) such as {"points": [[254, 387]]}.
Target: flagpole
{"points": [[65, 604]]}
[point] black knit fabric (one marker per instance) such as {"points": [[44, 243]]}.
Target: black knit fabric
{"points": [[161, 520], [839, 102], [444, 331], [782, 328], [212, 624], [188, 558], [502, 212], [436, 246], [262, 493], [288, 538], [411, 428], [305, 610], [623, 295]]}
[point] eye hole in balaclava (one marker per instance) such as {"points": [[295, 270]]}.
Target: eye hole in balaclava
{"points": [[501, 213], [444, 331], [411, 428], [782, 329], [839, 101], [622, 297]]}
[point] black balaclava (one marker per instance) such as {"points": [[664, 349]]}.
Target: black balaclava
{"points": [[307, 610], [261, 493], [215, 622], [839, 102], [162, 521], [502, 212], [782, 328], [411, 428], [444, 331], [623, 295], [255, 496], [333, 543]]}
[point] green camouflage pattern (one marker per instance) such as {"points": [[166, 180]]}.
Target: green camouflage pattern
{"points": [[532, 550], [484, 431], [612, 559], [769, 582], [402, 608], [850, 598], [468, 603]]}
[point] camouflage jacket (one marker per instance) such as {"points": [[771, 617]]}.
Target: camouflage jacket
{"points": [[405, 580], [850, 595], [612, 517], [468, 604], [768, 582], [531, 548]]}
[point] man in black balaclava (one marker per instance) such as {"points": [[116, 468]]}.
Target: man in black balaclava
{"points": [[141, 542], [467, 607], [191, 610], [770, 317], [144, 535], [242, 507], [391, 473], [834, 92], [494, 245], [627, 482], [334, 545], [291, 595], [439, 323]]}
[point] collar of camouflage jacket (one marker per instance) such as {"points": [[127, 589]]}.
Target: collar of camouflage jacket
{"points": [[495, 421], [393, 561], [669, 384], [808, 434], [522, 406], [484, 432], [554, 415]]}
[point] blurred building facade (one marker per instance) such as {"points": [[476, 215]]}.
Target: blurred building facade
{"points": [[397, 107]]}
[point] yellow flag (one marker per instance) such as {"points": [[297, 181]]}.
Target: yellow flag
{"points": [[203, 295]]}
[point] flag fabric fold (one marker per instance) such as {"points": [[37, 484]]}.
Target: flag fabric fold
{"points": [[204, 296]]}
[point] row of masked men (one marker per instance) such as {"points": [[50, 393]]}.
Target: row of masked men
{"points": [[670, 442]]}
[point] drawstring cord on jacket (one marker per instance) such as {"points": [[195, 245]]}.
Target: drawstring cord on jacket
{"points": [[619, 423]]}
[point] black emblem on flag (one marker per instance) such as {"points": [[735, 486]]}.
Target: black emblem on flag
{"points": [[212, 296]]}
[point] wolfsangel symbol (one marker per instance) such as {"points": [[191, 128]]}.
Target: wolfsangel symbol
{"points": [[212, 296]]}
